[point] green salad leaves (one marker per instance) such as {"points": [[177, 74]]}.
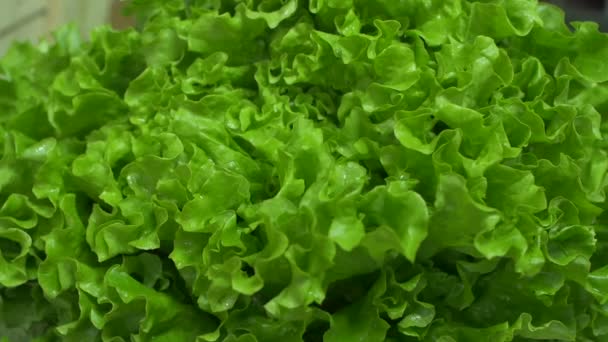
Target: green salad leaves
{"points": [[308, 170]]}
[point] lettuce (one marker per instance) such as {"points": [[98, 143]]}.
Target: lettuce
{"points": [[312, 170]]}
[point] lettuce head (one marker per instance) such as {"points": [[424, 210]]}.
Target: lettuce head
{"points": [[308, 170]]}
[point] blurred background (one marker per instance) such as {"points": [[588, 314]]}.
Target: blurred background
{"points": [[32, 19], [577, 10]]}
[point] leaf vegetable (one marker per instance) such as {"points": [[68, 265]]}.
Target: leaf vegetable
{"points": [[308, 170]]}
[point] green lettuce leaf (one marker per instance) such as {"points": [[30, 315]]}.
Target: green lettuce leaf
{"points": [[307, 170]]}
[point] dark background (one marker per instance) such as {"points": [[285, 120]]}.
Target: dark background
{"points": [[577, 10]]}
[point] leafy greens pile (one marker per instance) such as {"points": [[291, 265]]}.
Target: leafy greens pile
{"points": [[308, 170]]}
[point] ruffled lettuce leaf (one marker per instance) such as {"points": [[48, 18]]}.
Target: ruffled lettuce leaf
{"points": [[321, 170]]}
